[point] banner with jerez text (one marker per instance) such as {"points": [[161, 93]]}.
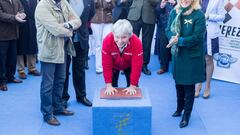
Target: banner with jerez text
{"points": [[227, 61]]}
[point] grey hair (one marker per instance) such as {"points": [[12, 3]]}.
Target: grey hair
{"points": [[121, 27]]}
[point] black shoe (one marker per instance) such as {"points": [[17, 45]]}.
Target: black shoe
{"points": [[98, 72], [183, 124], [184, 121], [122, 73], [146, 71], [176, 114], [84, 101]]}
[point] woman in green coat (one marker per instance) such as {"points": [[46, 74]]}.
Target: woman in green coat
{"points": [[185, 30]]}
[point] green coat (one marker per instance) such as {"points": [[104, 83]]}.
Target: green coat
{"points": [[189, 63], [144, 9]]}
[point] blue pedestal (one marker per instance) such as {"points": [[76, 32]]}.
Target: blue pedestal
{"points": [[122, 117]]}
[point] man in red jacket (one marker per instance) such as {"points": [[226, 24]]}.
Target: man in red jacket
{"points": [[122, 50]]}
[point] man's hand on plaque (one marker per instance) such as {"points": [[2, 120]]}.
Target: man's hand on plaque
{"points": [[110, 90], [131, 90]]}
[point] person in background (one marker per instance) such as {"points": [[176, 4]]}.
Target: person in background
{"points": [[214, 14], [80, 41], [185, 31], [11, 14], [162, 11], [27, 42], [141, 15], [101, 26], [121, 9], [122, 50], [55, 22]]}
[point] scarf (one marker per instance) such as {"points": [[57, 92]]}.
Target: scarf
{"points": [[176, 27]]}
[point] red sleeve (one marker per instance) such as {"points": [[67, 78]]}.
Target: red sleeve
{"points": [[137, 60], [107, 61]]}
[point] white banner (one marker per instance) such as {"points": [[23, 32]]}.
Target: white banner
{"points": [[227, 61]]}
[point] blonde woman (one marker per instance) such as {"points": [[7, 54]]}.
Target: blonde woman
{"points": [[186, 28]]}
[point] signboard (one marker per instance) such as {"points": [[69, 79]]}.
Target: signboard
{"points": [[227, 61]]}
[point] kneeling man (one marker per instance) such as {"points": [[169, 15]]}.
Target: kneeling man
{"points": [[122, 50]]}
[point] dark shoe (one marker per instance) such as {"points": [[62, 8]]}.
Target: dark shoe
{"points": [[161, 71], [22, 75], [98, 72], [184, 121], [122, 72], [65, 112], [85, 101], [34, 73], [3, 87], [183, 124], [146, 71], [53, 121], [15, 81], [176, 114]]}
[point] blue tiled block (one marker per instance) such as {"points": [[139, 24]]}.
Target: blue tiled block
{"points": [[122, 117]]}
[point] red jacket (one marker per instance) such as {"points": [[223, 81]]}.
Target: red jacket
{"points": [[132, 56]]}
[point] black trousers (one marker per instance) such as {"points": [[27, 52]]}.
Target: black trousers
{"points": [[164, 53], [78, 73], [147, 35], [115, 77], [185, 98], [8, 59]]}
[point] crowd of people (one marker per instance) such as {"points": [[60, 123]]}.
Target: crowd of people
{"points": [[119, 33]]}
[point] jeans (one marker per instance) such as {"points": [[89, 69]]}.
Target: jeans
{"points": [[53, 77]]}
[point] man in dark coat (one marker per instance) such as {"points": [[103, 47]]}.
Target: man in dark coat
{"points": [[27, 44], [11, 13], [141, 15], [81, 46], [121, 9]]}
